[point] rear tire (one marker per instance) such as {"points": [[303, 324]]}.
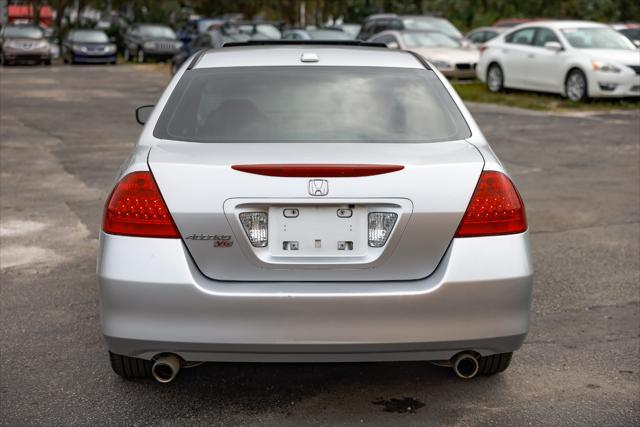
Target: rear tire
{"points": [[494, 364], [495, 78], [130, 367]]}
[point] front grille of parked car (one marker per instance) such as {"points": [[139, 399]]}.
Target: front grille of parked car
{"points": [[165, 45], [465, 66], [635, 68], [97, 49]]}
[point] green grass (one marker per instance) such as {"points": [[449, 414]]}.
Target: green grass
{"points": [[478, 92]]}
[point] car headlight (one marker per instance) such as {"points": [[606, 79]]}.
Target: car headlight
{"points": [[13, 44], [78, 48], [42, 44], [148, 45], [111, 48], [605, 67], [442, 65]]}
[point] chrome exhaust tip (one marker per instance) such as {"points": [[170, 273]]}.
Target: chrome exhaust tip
{"points": [[166, 368], [465, 365]]}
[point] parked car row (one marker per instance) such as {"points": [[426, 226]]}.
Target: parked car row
{"points": [[576, 59]]}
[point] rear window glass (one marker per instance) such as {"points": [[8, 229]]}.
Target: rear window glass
{"points": [[310, 103]]}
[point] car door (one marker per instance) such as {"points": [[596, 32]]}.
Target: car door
{"points": [[545, 70], [515, 59]]}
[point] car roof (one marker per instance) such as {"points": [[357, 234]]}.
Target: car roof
{"points": [[560, 24], [290, 55]]}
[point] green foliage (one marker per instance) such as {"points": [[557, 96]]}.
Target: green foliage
{"points": [[465, 14]]}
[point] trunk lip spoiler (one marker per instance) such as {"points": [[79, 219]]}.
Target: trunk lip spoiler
{"points": [[315, 170]]}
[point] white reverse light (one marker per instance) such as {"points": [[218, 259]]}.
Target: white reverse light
{"points": [[256, 225], [380, 226]]}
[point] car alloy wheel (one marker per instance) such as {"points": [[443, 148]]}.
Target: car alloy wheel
{"points": [[495, 78], [576, 86]]}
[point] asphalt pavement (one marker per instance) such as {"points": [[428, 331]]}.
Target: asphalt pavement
{"points": [[64, 132]]}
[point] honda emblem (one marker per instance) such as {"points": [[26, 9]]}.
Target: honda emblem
{"points": [[318, 187]]}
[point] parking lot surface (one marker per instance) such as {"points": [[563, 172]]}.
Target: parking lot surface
{"points": [[65, 131]]}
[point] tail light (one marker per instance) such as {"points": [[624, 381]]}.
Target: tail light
{"points": [[136, 208], [495, 208]]}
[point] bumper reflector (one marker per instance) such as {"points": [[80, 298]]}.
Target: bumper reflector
{"points": [[256, 226], [380, 226]]}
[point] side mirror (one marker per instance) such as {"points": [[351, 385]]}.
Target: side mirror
{"points": [[554, 46], [393, 45], [143, 112]]}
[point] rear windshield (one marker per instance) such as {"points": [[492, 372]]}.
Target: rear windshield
{"points": [[310, 103]]}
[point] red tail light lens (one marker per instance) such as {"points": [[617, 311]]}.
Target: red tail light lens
{"points": [[495, 208], [136, 208]]}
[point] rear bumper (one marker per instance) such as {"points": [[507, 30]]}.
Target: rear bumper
{"points": [[154, 300]]}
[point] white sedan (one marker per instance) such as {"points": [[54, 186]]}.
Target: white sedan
{"points": [[577, 59]]}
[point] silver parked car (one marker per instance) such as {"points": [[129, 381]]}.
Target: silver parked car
{"points": [[449, 56], [312, 203]]}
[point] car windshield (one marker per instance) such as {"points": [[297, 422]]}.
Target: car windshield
{"points": [[90, 37], [302, 103], [156, 31], [328, 35], [596, 38], [23, 32], [433, 24], [413, 40]]}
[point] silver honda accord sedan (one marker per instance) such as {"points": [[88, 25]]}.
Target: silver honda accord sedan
{"points": [[312, 203]]}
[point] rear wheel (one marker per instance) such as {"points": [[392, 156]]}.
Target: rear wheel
{"points": [[494, 364], [575, 87], [130, 367], [495, 78]]}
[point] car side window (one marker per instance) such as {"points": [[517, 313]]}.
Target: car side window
{"points": [[386, 39], [396, 24], [544, 35], [367, 31], [381, 25], [488, 35], [477, 37], [524, 36]]}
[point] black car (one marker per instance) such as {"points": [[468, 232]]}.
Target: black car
{"points": [[150, 41], [205, 41], [375, 24], [88, 46]]}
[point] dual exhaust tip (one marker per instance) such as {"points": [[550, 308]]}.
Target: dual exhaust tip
{"points": [[166, 366]]}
